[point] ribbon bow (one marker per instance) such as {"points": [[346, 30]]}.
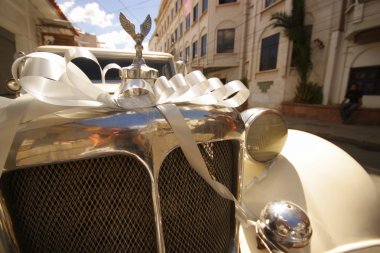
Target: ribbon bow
{"points": [[55, 83], [56, 80]]}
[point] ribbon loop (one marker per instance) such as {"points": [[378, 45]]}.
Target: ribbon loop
{"points": [[56, 80]]}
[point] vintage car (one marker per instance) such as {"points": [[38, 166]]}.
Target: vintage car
{"points": [[178, 175]]}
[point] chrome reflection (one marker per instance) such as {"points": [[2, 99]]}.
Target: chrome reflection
{"points": [[283, 224], [143, 133], [8, 242]]}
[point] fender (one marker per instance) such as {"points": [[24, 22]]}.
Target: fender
{"points": [[335, 191]]}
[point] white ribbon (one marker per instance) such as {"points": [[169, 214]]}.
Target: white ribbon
{"points": [[56, 80], [55, 83]]}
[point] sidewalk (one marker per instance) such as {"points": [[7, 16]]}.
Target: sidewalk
{"points": [[365, 137]]}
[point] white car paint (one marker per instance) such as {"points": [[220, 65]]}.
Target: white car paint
{"points": [[336, 192]]}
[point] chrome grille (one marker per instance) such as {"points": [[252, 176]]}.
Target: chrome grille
{"points": [[94, 205], [104, 204], [195, 218]]}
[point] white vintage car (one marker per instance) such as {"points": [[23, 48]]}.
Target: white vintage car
{"points": [[176, 175]]}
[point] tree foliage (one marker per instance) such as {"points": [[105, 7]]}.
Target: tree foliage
{"points": [[295, 29]]}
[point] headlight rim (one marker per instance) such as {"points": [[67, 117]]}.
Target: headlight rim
{"points": [[251, 115]]}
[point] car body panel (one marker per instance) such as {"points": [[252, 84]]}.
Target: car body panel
{"points": [[335, 191], [77, 133]]}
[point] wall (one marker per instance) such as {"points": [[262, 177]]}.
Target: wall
{"points": [[20, 17], [269, 95], [351, 54]]}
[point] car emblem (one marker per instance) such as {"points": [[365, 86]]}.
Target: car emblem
{"points": [[129, 27]]}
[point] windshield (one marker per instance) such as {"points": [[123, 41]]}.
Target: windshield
{"points": [[91, 69]]}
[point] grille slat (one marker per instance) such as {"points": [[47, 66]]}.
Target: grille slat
{"points": [[104, 204]]}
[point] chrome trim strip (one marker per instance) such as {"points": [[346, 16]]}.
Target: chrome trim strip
{"points": [[158, 217], [239, 191], [8, 242]]}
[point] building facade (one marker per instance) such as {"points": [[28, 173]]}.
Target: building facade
{"points": [[85, 39], [26, 24], [207, 35], [345, 43], [236, 39], [354, 53]]}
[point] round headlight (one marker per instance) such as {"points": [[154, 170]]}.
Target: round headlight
{"points": [[266, 133]]}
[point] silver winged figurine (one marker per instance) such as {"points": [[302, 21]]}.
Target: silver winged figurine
{"points": [[137, 37], [137, 79]]}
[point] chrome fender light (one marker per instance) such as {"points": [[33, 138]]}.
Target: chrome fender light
{"points": [[266, 133], [283, 224]]}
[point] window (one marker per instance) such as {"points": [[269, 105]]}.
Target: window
{"points": [[195, 13], [181, 29], [269, 50], [226, 1], [176, 34], [187, 53], [204, 5], [269, 2], [176, 6], [368, 79], [195, 49], [188, 21], [203, 45], [172, 14], [226, 39]]}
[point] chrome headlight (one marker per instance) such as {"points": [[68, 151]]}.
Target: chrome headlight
{"points": [[266, 133]]}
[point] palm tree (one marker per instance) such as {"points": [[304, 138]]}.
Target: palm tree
{"points": [[300, 35]]}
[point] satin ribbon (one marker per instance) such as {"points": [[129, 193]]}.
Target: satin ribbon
{"points": [[55, 83]]}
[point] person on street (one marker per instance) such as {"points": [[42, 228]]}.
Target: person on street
{"points": [[354, 97]]}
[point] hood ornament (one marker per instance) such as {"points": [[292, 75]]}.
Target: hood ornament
{"points": [[137, 37], [138, 69], [137, 78]]}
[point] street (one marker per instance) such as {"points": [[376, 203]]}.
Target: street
{"points": [[369, 159]]}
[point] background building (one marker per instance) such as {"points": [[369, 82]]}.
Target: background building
{"points": [[340, 54], [85, 39], [235, 39], [354, 53], [26, 24], [207, 35]]}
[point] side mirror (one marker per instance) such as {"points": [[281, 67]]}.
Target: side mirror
{"points": [[181, 66]]}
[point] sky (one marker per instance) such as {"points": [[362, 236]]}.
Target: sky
{"points": [[101, 17]]}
